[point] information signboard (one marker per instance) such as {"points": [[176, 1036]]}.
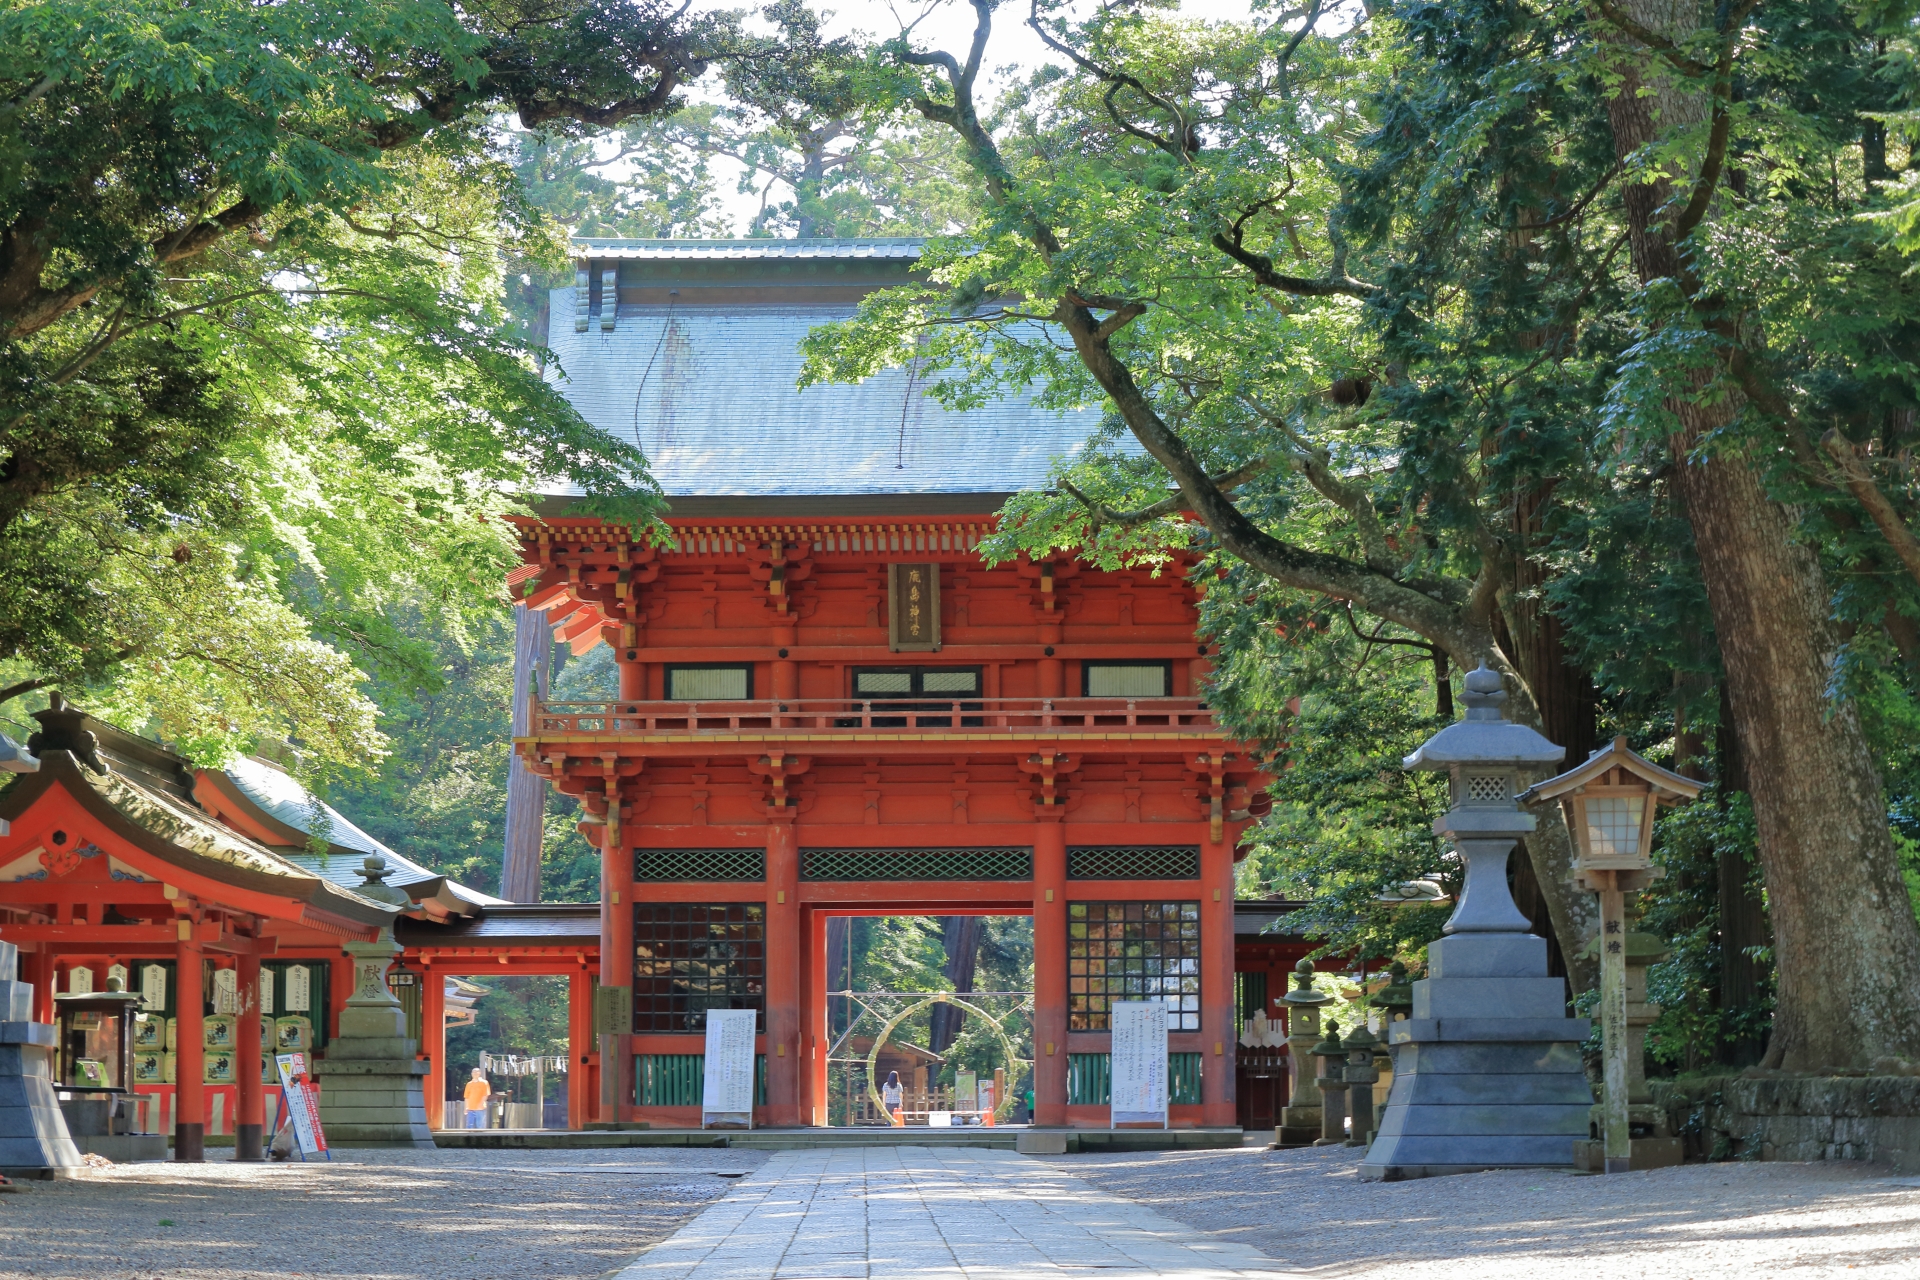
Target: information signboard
{"points": [[1139, 1063], [726, 1096], [301, 1106]]}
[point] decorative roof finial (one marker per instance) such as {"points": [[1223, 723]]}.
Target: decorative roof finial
{"points": [[1485, 694]]}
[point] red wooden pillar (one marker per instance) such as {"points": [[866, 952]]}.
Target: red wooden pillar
{"points": [[249, 1117], [783, 972], [814, 1052], [1216, 983], [339, 987], [1049, 972], [579, 1046], [616, 970], [433, 1040], [39, 971], [189, 1060], [633, 676]]}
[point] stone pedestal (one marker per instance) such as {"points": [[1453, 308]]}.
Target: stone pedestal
{"points": [[1487, 1071], [372, 1088], [372, 1094], [34, 1142]]}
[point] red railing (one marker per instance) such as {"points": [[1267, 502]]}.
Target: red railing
{"points": [[846, 715]]}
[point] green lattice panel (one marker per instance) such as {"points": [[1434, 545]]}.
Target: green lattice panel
{"points": [[1090, 1079], [680, 1079], [1133, 862], [916, 864], [655, 866]]}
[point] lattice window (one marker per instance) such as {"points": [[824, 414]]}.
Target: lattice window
{"points": [[1488, 788], [1132, 951], [690, 957], [916, 864], [1613, 825], [1133, 862], [656, 866]]}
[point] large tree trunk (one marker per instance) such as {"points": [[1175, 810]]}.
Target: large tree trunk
{"points": [[961, 934], [1845, 941], [526, 791]]}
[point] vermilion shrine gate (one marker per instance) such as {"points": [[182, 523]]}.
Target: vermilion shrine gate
{"points": [[830, 705]]}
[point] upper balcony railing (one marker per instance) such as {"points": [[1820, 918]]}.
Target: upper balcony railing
{"points": [[852, 715]]}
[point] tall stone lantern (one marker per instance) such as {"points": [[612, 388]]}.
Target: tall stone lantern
{"points": [[373, 1094], [1610, 801], [1487, 1070], [1300, 1119]]}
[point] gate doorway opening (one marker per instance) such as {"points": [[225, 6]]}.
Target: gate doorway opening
{"points": [[944, 1005]]}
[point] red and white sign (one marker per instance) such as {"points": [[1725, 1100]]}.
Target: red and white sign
{"points": [[296, 1094]]}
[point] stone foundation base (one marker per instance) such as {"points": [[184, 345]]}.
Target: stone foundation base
{"points": [[1781, 1117], [372, 1101], [1590, 1154], [34, 1142], [125, 1148]]}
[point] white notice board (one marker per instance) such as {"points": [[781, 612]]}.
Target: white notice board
{"points": [[1139, 1063], [726, 1096]]}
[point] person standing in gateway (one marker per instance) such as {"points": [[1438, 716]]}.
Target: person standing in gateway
{"points": [[890, 1098], [477, 1093]]}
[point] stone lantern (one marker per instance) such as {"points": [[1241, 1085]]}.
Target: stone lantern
{"points": [[1610, 800], [1361, 1076], [373, 1093], [1300, 1118], [1487, 1070], [1332, 1080]]}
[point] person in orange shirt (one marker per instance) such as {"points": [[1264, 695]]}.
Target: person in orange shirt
{"points": [[477, 1093]]}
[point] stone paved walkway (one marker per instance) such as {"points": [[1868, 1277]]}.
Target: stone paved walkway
{"points": [[955, 1214]]}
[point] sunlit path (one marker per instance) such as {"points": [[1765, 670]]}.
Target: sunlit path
{"points": [[914, 1211]]}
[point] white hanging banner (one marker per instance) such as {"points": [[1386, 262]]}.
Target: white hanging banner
{"points": [[118, 971], [266, 991], [153, 988], [226, 991], [297, 989], [80, 981], [726, 1096], [1139, 1063]]}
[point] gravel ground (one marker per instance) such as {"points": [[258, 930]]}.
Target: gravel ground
{"points": [[1308, 1208], [381, 1215]]}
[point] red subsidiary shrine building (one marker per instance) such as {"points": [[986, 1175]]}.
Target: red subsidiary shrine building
{"points": [[829, 704], [201, 890]]}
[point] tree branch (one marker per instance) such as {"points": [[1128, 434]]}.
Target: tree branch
{"points": [[1263, 272], [1859, 482], [1575, 211], [1104, 515], [1180, 149], [1652, 39], [13, 691]]}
